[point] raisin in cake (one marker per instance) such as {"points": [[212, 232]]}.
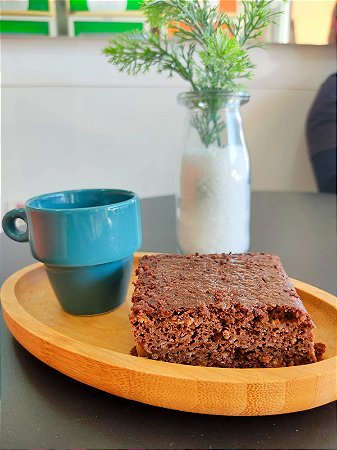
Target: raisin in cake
{"points": [[224, 310]]}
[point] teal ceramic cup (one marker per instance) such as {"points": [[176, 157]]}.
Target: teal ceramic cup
{"points": [[86, 239]]}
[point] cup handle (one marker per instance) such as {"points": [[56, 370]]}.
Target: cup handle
{"points": [[10, 228]]}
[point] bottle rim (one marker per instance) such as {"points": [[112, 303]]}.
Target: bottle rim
{"points": [[198, 99]]}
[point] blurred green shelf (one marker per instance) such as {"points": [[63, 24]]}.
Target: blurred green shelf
{"points": [[106, 27], [24, 27]]}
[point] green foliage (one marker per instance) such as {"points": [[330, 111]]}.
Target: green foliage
{"points": [[209, 125], [209, 49], [251, 23]]}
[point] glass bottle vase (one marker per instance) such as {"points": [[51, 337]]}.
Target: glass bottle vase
{"points": [[213, 197]]}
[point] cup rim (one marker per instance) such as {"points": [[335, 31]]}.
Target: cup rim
{"points": [[132, 196]]}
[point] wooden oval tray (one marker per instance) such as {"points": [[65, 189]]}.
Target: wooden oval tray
{"points": [[95, 350]]}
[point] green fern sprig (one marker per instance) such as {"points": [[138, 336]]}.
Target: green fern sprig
{"points": [[208, 49]]}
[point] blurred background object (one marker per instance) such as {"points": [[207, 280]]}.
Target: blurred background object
{"points": [[102, 17], [65, 111], [312, 21], [302, 22], [28, 17], [321, 135]]}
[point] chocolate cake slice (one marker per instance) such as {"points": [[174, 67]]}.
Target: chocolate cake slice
{"points": [[224, 310]]}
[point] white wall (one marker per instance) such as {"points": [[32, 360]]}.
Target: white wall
{"points": [[70, 120]]}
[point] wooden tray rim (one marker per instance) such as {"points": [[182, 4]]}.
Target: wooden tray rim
{"points": [[15, 313]]}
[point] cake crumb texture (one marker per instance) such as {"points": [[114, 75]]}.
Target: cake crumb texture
{"points": [[222, 310]]}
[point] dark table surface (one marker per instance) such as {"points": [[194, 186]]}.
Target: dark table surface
{"points": [[42, 408]]}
